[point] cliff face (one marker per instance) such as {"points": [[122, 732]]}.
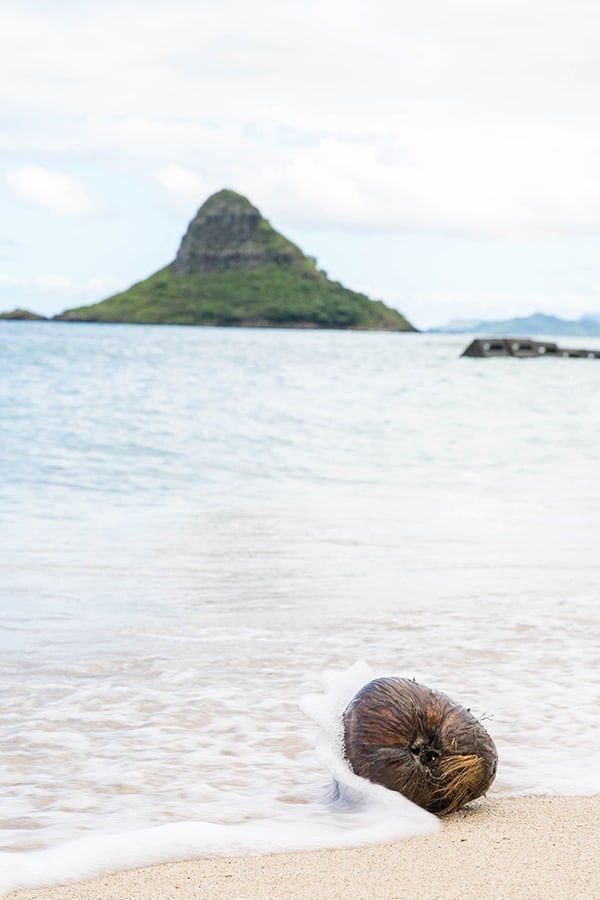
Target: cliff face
{"points": [[234, 269], [229, 233]]}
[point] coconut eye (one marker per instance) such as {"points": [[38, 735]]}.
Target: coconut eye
{"points": [[424, 755], [429, 756]]}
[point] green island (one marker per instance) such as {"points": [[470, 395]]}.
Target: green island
{"points": [[22, 315], [234, 269]]}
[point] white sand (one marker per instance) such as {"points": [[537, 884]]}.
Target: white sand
{"points": [[518, 848]]}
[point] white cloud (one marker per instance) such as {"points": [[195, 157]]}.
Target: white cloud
{"points": [[65, 285], [183, 186], [388, 116], [504, 178], [61, 284], [357, 121], [60, 194]]}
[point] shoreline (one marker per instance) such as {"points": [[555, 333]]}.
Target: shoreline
{"points": [[526, 847]]}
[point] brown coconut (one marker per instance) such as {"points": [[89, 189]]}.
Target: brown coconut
{"points": [[419, 742]]}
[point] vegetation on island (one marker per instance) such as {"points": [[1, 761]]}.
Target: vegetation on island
{"points": [[270, 295], [22, 315], [234, 269]]}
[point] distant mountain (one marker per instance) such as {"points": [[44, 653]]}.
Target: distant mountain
{"points": [[233, 268], [539, 323]]}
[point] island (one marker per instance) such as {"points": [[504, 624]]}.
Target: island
{"points": [[22, 315], [234, 269]]}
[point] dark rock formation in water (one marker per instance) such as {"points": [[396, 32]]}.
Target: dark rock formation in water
{"points": [[524, 348], [234, 268]]}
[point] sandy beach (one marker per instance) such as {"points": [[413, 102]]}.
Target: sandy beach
{"points": [[523, 847]]}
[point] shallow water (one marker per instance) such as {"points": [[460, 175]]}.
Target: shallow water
{"points": [[197, 522]]}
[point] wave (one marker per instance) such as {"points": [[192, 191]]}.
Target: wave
{"points": [[354, 813]]}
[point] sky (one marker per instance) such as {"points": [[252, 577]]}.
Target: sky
{"points": [[439, 155]]}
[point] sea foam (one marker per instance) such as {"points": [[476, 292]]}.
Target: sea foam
{"points": [[354, 813]]}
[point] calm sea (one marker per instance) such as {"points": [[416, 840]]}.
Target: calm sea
{"points": [[196, 523]]}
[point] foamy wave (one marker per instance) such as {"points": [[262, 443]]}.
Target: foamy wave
{"points": [[358, 813]]}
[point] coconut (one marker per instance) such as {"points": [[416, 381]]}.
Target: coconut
{"points": [[419, 742]]}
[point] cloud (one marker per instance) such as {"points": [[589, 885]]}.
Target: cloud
{"points": [[509, 177], [182, 185], [65, 285], [478, 119], [60, 194], [60, 284]]}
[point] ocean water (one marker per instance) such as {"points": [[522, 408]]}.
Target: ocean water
{"points": [[198, 523]]}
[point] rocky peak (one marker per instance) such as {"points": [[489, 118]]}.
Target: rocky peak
{"points": [[229, 233]]}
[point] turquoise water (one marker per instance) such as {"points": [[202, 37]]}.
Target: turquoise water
{"points": [[197, 522]]}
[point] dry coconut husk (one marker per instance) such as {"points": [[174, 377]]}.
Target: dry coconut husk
{"points": [[418, 742]]}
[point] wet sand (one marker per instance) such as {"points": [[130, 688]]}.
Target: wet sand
{"points": [[523, 847]]}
